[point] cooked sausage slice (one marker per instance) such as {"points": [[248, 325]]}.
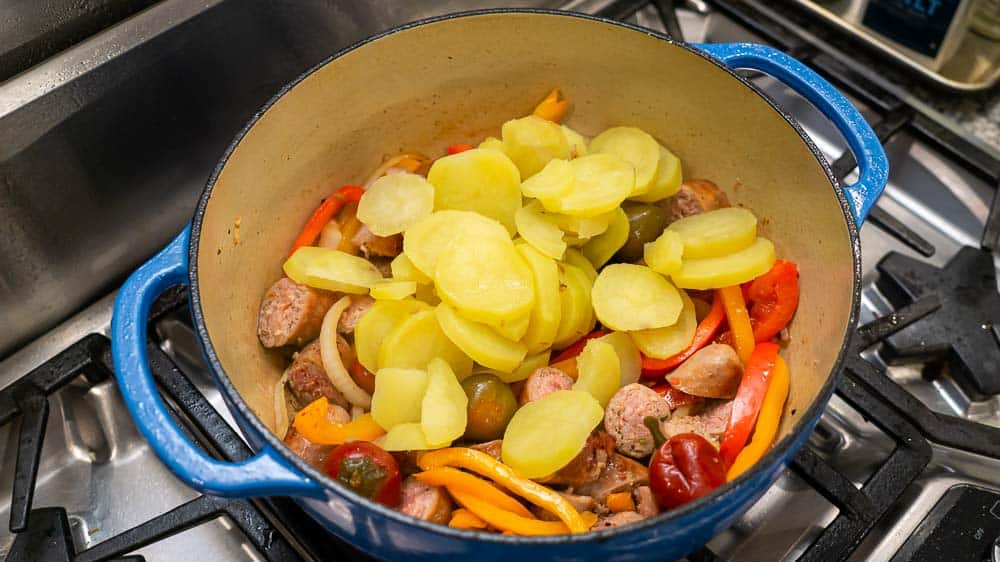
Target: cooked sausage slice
{"points": [[354, 311], [491, 448], [291, 314], [616, 520], [712, 372], [694, 197], [544, 381], [588, 464], [307, 379], [710, 422], [372, 245], [623, 418], [426, 502], [620, 473], [308, 451], [645, 502]]}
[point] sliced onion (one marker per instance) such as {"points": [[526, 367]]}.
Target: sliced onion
{"points": [[330, 236], [357, 412], [281, 407], [332, 363], [392, 163]]}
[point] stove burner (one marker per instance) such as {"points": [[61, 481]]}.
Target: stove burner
{"points": [[962, 329]]}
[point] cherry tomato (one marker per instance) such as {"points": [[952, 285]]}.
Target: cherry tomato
{"points": [[683, 469], [368, 470]]}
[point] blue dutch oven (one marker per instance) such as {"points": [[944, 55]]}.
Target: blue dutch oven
{"points": [[456, 79]]}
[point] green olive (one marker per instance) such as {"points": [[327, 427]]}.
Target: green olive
{"points": [[491, 405], [645, 223]]}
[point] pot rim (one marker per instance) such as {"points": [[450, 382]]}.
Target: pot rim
{"points": [[778, 453]]}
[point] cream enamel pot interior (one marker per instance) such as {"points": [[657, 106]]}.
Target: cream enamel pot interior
{"points": [[456, 79]]}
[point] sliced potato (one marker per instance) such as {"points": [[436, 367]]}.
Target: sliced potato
{"points": [[575, 258], [545, 435], [333, 270], [392, 289], [629, 359], [403, 269], [492, 143], [555, 180], [485, 279], [598, 371], [725, 271], [543, 321], [424, 241], [602, 182], [397, 396], [661, 343], [601, 248], [577, 314], [577, 144], [584, 227], [444, 408], [408, 437], [667, 181], [634, 146], [524, 370], [663, 255], [513, 329], [716, 233], [414, 342], [478, 180], [480, 342], [630, 297], [395, 202], [532, 141], [376, 324], [540, 233]]}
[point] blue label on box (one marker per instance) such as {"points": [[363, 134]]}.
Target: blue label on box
{"points": [[920, 25]]}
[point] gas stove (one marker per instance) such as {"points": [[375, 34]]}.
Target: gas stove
{"points": [[904, 464]]}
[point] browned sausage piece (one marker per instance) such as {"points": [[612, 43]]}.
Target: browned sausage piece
{"points": [[620, 473], [426, 502], [544, 381], [644, 501], [291, 314], [694, 197], [623, 418], [709, 421], [588, 464], [713, 372], [616, 520], [372, 245], [354, 311], [313, 454], [491, 448], [307, 379], [579, 503]]}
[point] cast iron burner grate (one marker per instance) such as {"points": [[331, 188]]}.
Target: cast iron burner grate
{"points": [[963, 329]]}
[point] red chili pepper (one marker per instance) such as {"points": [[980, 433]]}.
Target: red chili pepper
{"points": [[749, 397], [774, 297], [654, 368], [577, 347], [367, 469], [363, 377], [456, 148], [684, 468], [322, 215], [675, 398]]}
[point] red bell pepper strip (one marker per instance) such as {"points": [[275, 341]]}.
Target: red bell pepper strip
{"points": [[773, 299], [322, 215], [577, 347], [367, 469], [456, 148], [709, 325], [682, 469], [749, 397]]}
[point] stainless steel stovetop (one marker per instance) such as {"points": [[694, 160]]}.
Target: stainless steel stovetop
{"points": [[96, 465]]}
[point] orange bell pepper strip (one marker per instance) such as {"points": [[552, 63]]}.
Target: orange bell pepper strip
{"points": [[654, 368], [620, 501], [311, 423], [739, 321], [552, 107], [452, 478], [461, 147], [749, 400], [485, 465], [767, 421], [322, 215], [511, 522], [465, 519]]}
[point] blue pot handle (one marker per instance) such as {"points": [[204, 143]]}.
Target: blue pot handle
{"points": [[266, 473], [873, 165]]}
